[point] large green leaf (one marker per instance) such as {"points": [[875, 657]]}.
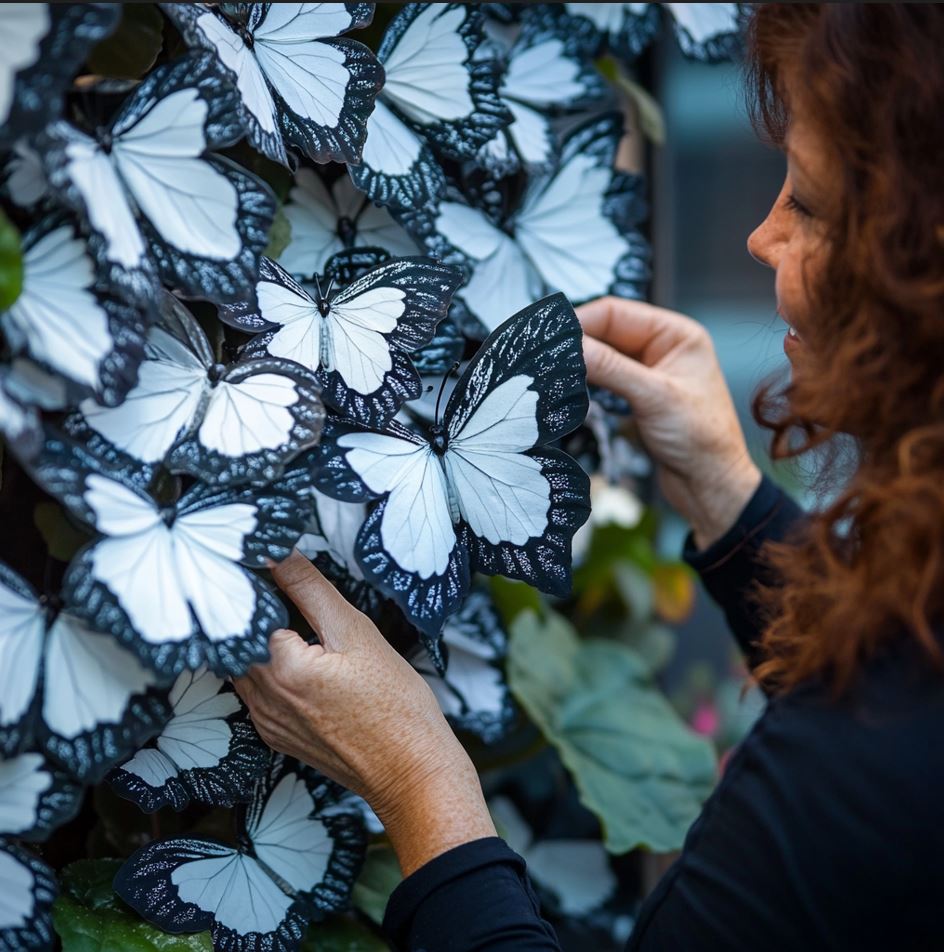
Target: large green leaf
{"points": [[11, 263], [379, 877], [90, 918], [636, 764]]}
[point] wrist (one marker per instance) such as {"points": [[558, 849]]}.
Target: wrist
{"points": [[435, 804], [720, 500]]}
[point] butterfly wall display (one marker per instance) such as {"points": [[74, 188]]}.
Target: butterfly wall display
{"points": [[495, 497], [300, 844], [257, 262]]}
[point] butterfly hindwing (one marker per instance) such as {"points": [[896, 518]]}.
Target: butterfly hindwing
{"points": [[302, 844], [207, 751], [27, 891], [35, 797]]}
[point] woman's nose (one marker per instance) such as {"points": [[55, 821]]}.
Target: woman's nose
{"points": [[759, 246]]}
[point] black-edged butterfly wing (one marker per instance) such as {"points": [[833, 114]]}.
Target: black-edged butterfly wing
{"points": [[27, 891], [225, 424], [625, 29], [35, 797], [207, 751], [328, 216], [68, 690], [484, 492], [296, 77], [301, 846], [472, 691], [41, 47], [711, 32], [358, 339], [436, 93], [69, 320], [151, 190], [20, 421], [172, 582]]}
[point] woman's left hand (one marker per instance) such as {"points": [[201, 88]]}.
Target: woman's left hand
{"points": [[354, 709]]}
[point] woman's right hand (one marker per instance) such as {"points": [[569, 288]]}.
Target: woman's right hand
{"points": [[664, 365]]}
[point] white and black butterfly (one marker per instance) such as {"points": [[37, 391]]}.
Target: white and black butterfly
{"points": [[357, 337], [483, 492], [169, 578], [472, 693], [24, 179], [300, 845], [68, 690], [225, 424], [546, 71], [68, 318], [705, 31], [20, 421], [436, 95], [331, 216], [207, 751], [572, 229], [35, 797], [27, 891], [151, 192], [41, 47], [296, 77]]}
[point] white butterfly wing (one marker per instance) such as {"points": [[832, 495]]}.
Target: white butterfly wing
{"points": [[564, 232], [23, 781], [298, 337], [391, 148], [336, 532], [192, 205], [27, 890], [502, 494], [313, 216], [160, 408], [22, 634], [24, 26], [417, 529]]}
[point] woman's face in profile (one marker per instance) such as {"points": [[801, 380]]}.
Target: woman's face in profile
{"points": [[791, 239]]}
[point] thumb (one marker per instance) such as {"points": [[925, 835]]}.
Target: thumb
{"points": [[325, 609], [628, 378]]}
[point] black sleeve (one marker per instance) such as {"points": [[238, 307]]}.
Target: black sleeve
{"points": [[474, 897], [729, 566]]}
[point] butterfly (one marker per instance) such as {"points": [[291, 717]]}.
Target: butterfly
{"points": [[705, 31], [328, 217], [27, 892], [151, 192], [547, 70], [35, 798], [168, 578], [472, 691], [68, 690], [482, 492], [69, 320], [358, 338], [42, 46], [207, 751], [224, 424], [300, 846], [572, 229], [436, 95], [296, 78]]}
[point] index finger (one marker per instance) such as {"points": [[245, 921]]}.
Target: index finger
{"points": [[323, 606], [634, 328]]}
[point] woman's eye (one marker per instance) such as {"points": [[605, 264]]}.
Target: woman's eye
{"points": [[795, 205]]}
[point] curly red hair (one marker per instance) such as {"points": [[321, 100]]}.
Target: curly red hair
{"points": [[869, 566]]}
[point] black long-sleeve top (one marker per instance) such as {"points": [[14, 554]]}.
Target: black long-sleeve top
{"points": [[826, 830]]}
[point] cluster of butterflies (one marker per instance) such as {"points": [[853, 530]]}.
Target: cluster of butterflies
{"points": [[202, 401]]}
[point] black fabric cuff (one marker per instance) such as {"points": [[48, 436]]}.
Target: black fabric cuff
{"points": [[457, 863]]}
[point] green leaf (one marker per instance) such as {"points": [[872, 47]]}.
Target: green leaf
{"points": [[90, 918], [63, 539], [342, 935], [11, 263], [511, 598], [280, 234], [134, 46], [379, 877], [635, 763]]}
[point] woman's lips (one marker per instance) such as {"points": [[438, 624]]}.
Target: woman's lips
{"points": [[791, 340]]}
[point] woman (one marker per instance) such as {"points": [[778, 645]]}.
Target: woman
{"points": [[826, 830]]}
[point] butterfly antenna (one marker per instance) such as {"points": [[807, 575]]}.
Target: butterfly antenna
{"points": [[318, 288], [329, 288], [442, 389]]}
